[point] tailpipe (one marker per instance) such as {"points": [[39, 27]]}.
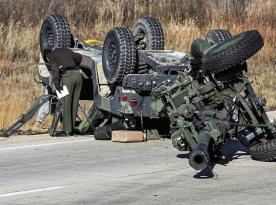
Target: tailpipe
{"points": [[199, 158]]}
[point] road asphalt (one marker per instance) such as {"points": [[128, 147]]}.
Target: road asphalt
{"points": [[39, 169]]}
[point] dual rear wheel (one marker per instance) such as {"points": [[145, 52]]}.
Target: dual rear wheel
{"points": [[121, 45]]}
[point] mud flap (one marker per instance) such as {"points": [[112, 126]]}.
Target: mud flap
{"points": [[26, 117]]}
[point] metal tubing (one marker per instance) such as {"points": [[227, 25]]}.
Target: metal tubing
{"points": [[199, 158]]}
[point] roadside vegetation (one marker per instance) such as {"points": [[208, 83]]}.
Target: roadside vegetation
{"points": [[182, 20]]}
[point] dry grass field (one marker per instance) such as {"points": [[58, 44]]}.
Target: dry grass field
{"points": [[182, 20]]}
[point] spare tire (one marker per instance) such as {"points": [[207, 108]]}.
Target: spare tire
{"points": [[55, 33], [148, 34], [218, 36], [264, 151], [119, 55], [232, 52]]}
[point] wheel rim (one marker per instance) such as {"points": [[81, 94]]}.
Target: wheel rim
{"points": [[112, 55], [141, 39]]}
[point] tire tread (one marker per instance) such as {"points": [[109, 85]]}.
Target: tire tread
{"points": [[234, 54], [127, 57], [155, 32], [264, 151]]}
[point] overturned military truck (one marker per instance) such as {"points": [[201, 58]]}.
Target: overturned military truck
{"points": [[199, 99]]}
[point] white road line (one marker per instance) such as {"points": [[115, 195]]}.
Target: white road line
{"points": [[30, 191], [44, 145]]}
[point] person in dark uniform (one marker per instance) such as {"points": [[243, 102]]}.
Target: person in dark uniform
{"points": [[63, 64]]}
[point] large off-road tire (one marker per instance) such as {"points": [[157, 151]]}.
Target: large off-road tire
{"points": [[264, 151], [55, 32], [218, 36], [119, 55], [148, 34], [232, 52]]}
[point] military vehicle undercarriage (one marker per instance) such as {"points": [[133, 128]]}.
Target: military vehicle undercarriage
{"points": [[199, 99]]}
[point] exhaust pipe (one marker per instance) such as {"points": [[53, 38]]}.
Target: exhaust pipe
{"points": [[199, 158]]}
